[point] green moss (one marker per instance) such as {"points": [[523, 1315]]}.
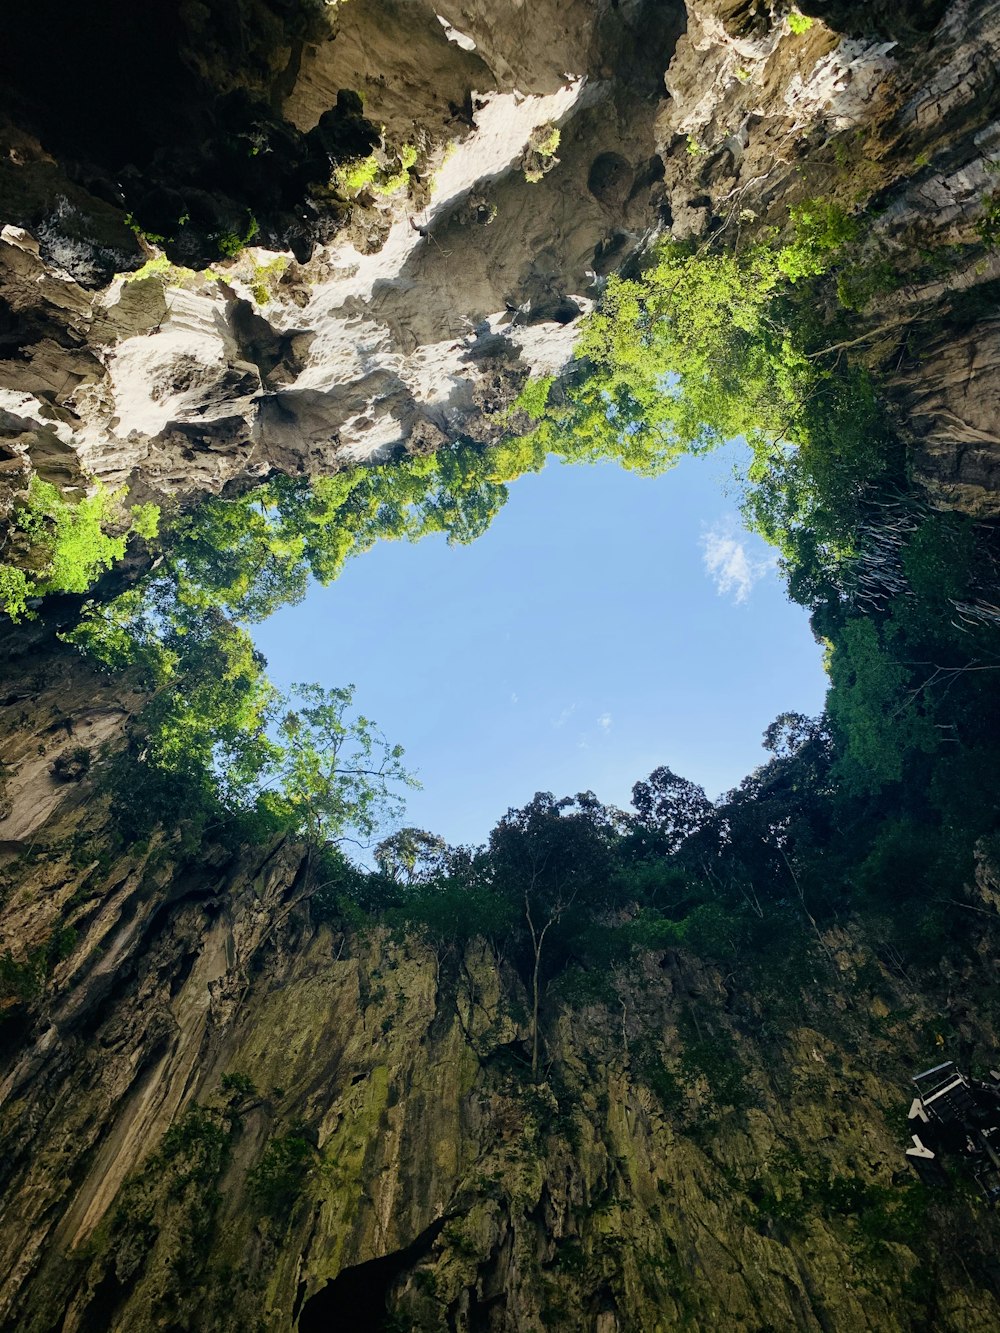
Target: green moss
{"points": [[988, 225], [369, 173], [277, 1180], [345, 1154], [173, 275], [397, 180], [547, 140], [23, 980], [353, 177], [265, 278], [160, 264], [540, 152]]}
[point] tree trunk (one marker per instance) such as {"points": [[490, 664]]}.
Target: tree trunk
{"points": [[534, 1013]]}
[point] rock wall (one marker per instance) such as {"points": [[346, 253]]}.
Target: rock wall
{"points": [[404, 311], [893, 109], [182, 383], [225, 1109]]}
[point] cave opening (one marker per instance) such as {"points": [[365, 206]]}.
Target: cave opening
{"points": [[356, 1300], [544, 645]]}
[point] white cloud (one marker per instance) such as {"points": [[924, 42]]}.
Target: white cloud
{"points": [[731, 562], [564, 716], [604, 722], [513, 698]]}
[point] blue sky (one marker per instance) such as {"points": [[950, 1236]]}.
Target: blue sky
{"points": [[604, 625]]}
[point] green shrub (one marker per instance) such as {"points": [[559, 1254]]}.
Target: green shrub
{"points": [[664, 1084], [534, 397], [277, 1179], [230, 243], [368, 173], [353, 177], [73, 537], [397, 180], [15, 589], [716, 1060], [540, 152], [858, 285], [988, 225], [145, 521], [69, 542], [21, 981], [822, 228], [545, 140], [196, 1148], [238, 1085]]}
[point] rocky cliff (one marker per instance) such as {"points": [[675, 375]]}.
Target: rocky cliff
{"points": [[414, 302], [225, 1108], [436, 291]]}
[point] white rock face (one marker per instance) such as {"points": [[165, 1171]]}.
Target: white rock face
{"points": [[182, 385], [185, 384], [190, 369], [840, 88]]}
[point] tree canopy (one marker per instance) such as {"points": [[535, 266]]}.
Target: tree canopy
{"points": [[708, 343]]}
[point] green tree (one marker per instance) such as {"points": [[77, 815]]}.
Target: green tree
{"points": [[327, 776], [256, 553], [876, 707], [68, 543], [669, 808], [411, 856], [212, 734], [550, 858], [451, 910]]}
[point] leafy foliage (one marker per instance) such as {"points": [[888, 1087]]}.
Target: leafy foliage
{"points": [[411, 856], [326, 773], [372, 172], [534, 397], [670, 808], [23, 979], [251, 555], [215, 740], [706, 345], [821, 229], [69, 544]]}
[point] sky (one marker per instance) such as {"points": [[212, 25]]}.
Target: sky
{"points": [[604, 625]]}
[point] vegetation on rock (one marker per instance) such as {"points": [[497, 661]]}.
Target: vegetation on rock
{"points": [[67, 544], [708, 344], [612, 1068]]}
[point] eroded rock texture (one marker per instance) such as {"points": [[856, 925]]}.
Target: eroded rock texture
{"points": [[377, 332], [183, 385], [220, 1114]]}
